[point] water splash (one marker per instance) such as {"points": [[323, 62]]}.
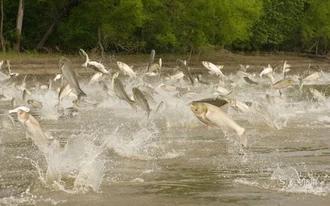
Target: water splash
{"points": [[27, 198], [143, 143], [291, 181]]}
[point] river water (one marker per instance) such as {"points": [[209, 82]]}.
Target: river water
{"points": [[114, 155]]}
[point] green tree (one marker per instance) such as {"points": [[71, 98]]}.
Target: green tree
{"points": [[280, 25], [316, 26], [119, 22]]}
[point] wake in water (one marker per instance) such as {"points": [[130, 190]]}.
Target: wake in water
{"points": [[292, 181]]}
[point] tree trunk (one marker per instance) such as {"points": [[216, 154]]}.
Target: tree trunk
{"points": [[66, 10], [19, 25], [46, 35], [99, 41], [2, 39]]}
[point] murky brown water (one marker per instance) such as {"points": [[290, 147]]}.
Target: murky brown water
{"points": [[123, 158]]}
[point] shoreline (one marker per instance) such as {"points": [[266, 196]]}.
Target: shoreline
{"points": [[41, 63]]}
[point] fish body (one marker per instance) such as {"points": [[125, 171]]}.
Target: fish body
{"points": [[223, 91], [57, 77], [160, 62], [151, 59], [213, 68], [240, 106], [97, 66], [96, 77], [71, 78], [127, 70], [282, 84], [266, 70], [65, 90], [213, 116], [154, 68], [141, 100], [177, 76], [317, 95], [40, 139], [312, 77], [250, 81], [286, 69], [120, 92]]}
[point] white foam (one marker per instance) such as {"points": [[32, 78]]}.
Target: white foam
{"points": [[291, 181]]}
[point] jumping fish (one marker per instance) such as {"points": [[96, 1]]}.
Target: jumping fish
{"points": [[282, 84], [151, 59], [64, 91], [127, 70], [176, 76], [239, 106], [40, 139], [213, 68], [223, 91], [95, 78], [250, 81], [120, 92], [71, 78], [141, 100], [317, 95], [286, 69], [185, 69], [213, 116], [312, 77], [97, 66], [267, 70]]}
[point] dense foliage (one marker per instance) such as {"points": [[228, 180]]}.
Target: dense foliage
{"points": [[171, 25]]}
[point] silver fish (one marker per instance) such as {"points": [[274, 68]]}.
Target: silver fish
{"points": [[213, 116], [33, 128], [65, 90], [152, 59], [120, 92], [185, 69], [97, 66], [141, 100], [282, 84], [70, 77], [250, 81]]}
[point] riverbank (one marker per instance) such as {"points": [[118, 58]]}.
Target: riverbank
{"points": [[39, 63]]}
